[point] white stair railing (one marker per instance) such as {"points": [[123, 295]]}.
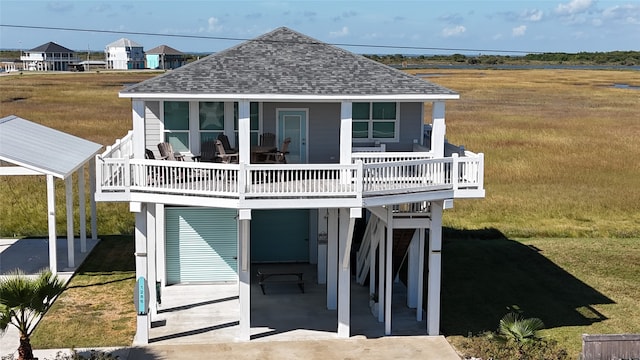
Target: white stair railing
{"points": [[369, 243]]}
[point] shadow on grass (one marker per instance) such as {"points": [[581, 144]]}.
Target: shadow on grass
{"points": [[101, 283], [114, 253], [486, 275]]}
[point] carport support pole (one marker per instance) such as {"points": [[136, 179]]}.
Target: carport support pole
{"points": [[51, 215], [92, 199], [244, 272], [68, 185], [435, 260], [82, 211], [332, 260]]}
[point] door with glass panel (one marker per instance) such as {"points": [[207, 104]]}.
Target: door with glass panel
{"points": [[292, 123]]}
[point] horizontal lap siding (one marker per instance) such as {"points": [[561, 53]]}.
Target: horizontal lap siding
{"points": [[152, 131]]}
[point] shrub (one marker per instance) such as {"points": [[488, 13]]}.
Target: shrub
{"points": [[485, 346]]}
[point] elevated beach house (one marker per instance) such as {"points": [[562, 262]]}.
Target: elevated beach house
{"points": [[355, 141], [48, 57], [124, 54], [164, 57]]}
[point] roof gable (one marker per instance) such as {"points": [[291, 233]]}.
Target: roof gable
{"points": [[51, 47], [43, 149], [286, 62]]}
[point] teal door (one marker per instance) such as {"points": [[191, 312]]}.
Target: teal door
{"points": [[293, 124], [280, 235], [201, 245]]}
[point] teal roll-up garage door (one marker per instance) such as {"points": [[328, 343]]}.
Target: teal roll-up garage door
{"points": [[201, 245]]}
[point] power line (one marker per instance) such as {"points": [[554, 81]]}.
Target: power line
{"points": [[246, 39]]}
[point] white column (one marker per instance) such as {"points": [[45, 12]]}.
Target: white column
{"points": [[344, 273], [419, 309], [142, 321], [160, 247], [372, 253], [322, 245], [244, 131], [433, 285], [381, 271], [332, 260], [82, 210], [388, 273], [244, 273], [413, 259], [51, 216], [438, 129], [137, 107], [346, 132], [151, 261], [92, 199], [68, 186]]}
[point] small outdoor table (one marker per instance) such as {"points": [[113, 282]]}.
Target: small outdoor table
{"points": [[292, 277]]}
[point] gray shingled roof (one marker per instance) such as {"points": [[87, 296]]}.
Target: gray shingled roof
{"points": [[51, 47], [124, 42], [43, 149], [285, 62], [164, 49]]}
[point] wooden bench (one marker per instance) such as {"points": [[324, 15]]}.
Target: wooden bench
{"points": [[293, 277]]}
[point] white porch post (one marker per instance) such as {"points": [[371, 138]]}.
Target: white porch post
{"points": [[438, 129], [137, 108], [244, 131], [244, 272], [435, 258], [347, 224], [346, 132], [419, 309], [413, 259], [68, 186], [151, 261], [51, 216], [160, 247], [388, 290], [142, 321], [92, 199], [332, 260], [381, 271], [82, 210], [322, 245]]}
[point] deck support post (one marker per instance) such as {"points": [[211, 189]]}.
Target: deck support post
{"points": [[51, 216], [435, 265], [344, 273], [151, 261], [332, 260], [323, 235], [419, 309], [244, 273], [68, 185], [142, 320], [412, 272], [382, 233], [388, 281]]}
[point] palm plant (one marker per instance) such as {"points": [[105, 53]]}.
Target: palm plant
{"points": [[514, 328], [23, 300]]}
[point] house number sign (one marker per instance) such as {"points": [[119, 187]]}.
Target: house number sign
{"points": [[141, 296]]}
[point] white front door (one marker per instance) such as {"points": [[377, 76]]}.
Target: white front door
{"points": [[292, 123]]}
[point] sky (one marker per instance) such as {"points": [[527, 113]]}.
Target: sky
{"points": [[361, 26]]}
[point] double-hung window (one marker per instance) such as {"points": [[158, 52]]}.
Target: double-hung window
{"points": [[254, 119], [375, 121], [211, 118], [176, 125]]}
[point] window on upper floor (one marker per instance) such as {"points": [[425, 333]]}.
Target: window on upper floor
{"points": [[374, 121], [176, 125]]}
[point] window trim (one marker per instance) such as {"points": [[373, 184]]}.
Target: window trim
{"points": [[371, 121]]}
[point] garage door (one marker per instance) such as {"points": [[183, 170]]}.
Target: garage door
{"points": [[201, 245]]}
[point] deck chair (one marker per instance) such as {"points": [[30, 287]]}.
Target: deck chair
{"points": [[224, 157], [207, 152], [279, 157], [153, 175], [268, 139], [225, 143], [167, 153]]}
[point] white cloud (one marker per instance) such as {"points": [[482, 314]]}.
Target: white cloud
{"points": [[519, 31], [533, 15], [214, 24], [453, 31], [624, 13], [342, 32], [574, 7]]}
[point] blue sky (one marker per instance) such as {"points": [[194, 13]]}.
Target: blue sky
{"points": [[530, 26]]}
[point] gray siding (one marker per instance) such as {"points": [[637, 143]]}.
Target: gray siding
{"points": [[411, 120], [152, 132]]}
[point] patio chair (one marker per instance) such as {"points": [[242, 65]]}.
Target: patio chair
{"points": [[225, 143], [167, 153], [279, 157], [207, 152], [224, 157], [268, 139], [154, 175]]}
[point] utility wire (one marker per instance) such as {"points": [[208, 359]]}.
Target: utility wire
{"points": [[246, 39]]}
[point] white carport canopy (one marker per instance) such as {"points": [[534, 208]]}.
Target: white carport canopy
{"points": [[33, 149]]}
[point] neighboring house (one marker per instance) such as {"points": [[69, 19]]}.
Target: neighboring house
{"points": [[357, 153], [48, 57], [124, 54], [165, 57]]}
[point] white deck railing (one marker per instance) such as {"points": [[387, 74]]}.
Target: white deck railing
{"points": [[371, 174]]}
